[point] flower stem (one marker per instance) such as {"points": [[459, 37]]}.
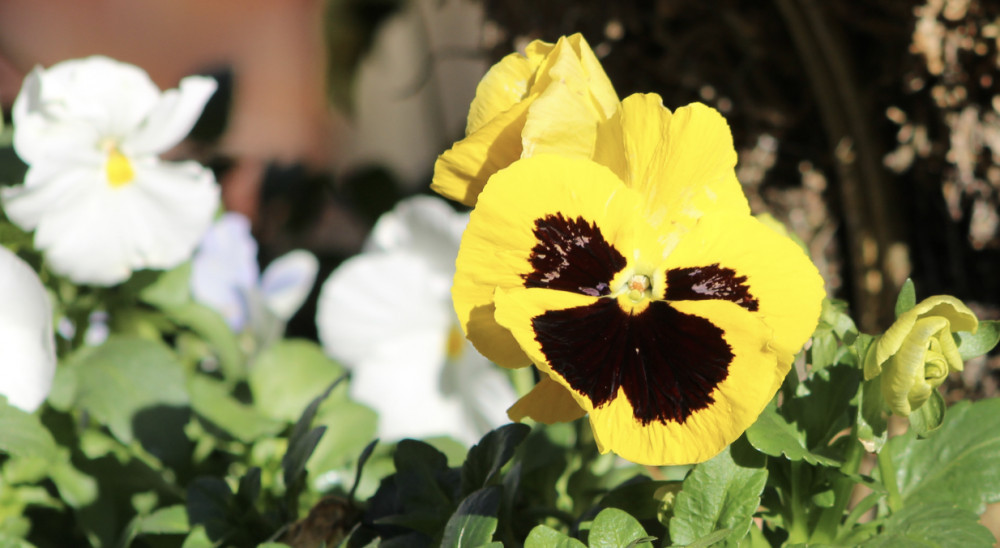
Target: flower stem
{"points": [[830, 518], [798, 529]]}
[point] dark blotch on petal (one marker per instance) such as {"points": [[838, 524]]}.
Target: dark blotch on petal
{"points": [[572, 255], [667, 362], [709, 282]]}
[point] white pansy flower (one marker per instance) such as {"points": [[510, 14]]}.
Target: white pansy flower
{"points": [[27, 343], [387, 314], [226, 277], [97, 195]]}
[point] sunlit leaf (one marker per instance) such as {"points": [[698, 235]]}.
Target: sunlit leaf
{"points": [[958, 464], [718, 494], [614, 528], [475, 520]]}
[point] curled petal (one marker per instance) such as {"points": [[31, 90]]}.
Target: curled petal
{"points": [[959, 318], [549, 101], [904, 383], [461, 172], [503, 86]]}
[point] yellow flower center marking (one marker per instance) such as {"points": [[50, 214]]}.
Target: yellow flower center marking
{"points": [[118, 168], [455, 344]]}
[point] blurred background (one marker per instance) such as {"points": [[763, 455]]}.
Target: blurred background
{"points": [[871, 128]]}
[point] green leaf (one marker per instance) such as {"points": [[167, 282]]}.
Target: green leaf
{"points": [[614, 528], [301, 444], [211, 400], [929, 416], [212, 327], [424, 487], [350, 426], [125, 377], [643, 498], [75, 488], [170, 289], [165, 521], [23, 435], [932, 524], [209, 500], [718, 494], [475, 520], [907, 298], [835, 314], [198, 538], [287, 374], [957, 464], [873, 419], [172, 520], [486, 458], [773, 435], [543, 536], [710, 539], [986, 337]]}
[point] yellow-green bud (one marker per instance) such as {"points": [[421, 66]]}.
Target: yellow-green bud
{"points": [[916, 353]]}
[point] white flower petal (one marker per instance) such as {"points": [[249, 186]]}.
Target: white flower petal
{"points": [[484, 390], [287, 281], [172, 118], [401, 382], [39, 137], [98, 211], [48, 189], [370, 300], [95, 96], [27, 344], [424, 225], [173, 205]]}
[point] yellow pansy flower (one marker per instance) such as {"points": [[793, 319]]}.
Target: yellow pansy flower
{"points": [[916, 354], [644, 292], [683, 163], [549, 100]]}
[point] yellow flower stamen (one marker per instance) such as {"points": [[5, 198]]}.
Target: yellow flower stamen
{"points": [[118, 168]]}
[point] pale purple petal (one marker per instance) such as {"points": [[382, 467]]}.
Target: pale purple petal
{"points": [[224, 269], [287, 281]]}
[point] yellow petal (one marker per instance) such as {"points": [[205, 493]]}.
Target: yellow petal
{"points": [[461, 172], [782, 287], [959, 317], [574, 97], [562, 122], [749, 383], [570, 60], [753, 377], [496, 249], [503, 86], [548, 402], [683, 163], [905, 370]]}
